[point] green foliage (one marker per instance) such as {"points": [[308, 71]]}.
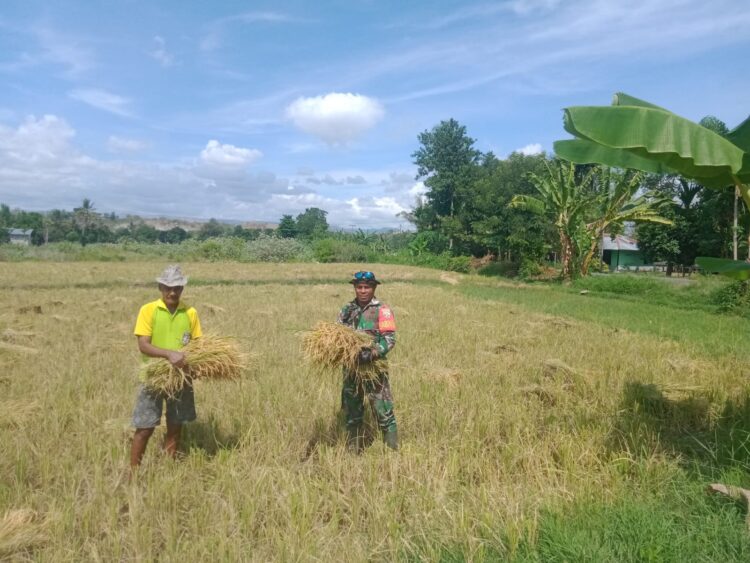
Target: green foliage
{"points": [[529, 269], [501, 268], [287, 227], [212, 229], [175, 235], [445, 160], [428, 242], [623, 284], [268, 248], [635, 134], [215, 249], [312, 223], [733, 297], [338, 250]]}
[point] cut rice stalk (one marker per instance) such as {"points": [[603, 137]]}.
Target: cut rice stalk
{"points": [[335, 346], [19, 530], [206, 358]]}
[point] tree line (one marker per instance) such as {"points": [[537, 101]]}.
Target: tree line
{"points": [[522, 210], [526, 209], [85, 225]]}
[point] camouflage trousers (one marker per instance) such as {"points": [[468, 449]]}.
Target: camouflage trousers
{"points": [[379, 394]]}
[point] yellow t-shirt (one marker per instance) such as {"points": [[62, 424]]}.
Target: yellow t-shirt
{"points": [[168, 331]]}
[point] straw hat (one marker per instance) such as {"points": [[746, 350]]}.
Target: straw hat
{"points": [[172, 276]]}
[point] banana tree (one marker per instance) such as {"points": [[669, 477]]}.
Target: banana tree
{"points": [[566, 200], [618, 201], [632, 133]]}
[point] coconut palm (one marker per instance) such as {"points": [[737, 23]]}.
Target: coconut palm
{"points": [[85, 217]]}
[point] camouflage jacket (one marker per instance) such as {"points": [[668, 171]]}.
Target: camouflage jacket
{"points": [[376, 319]]}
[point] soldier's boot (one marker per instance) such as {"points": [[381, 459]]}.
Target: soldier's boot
{"points": [[390, 437], [354, 440]]}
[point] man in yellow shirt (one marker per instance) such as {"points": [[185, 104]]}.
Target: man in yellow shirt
{"points": [[163, 327]]}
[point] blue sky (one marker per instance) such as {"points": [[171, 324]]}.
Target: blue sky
{"points": [[250, 110]]}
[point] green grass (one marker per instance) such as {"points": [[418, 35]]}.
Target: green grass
{"points": [[683, 314], [681, 524]]}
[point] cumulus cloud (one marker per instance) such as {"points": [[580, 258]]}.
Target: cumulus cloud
{"points": [[160, 53], [101, 99], [37, 139], [218, 154], [122, 145], [41, 168], [531, 149], [335, 118]]}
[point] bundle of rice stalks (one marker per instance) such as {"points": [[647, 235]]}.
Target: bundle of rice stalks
{"points": [[20, 529], [334, 346], [16, 412], [206, 358]]}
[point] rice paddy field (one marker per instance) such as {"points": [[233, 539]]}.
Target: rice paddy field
{"points": [[536, 424]]}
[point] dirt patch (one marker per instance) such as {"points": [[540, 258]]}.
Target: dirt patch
{"points": [[448, 278]]}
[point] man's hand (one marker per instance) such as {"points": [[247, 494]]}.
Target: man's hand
{"points": [[177, 359], [366, 355]]}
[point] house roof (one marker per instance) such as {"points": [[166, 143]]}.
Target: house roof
{"points": [[20, 232], [620, 242]]}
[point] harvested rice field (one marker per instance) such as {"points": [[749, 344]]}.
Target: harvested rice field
{"points": [[533, 427]]}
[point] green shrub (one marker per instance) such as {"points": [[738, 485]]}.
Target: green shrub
{"points": [[503, 269], [225, 248], [275, 249], [529, 269], [732, 296], [339, 250], [459, 264]]}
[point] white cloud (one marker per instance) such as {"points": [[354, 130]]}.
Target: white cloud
{"points": [[214, 38], [120, 144], [63, 50], [335, 118], [531, 149], [228, 155], [418, 189], [160, 53], [101, 99], [41, 168], [36, 140]]}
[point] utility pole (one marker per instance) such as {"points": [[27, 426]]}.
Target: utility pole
{"points": [[734, 227]]}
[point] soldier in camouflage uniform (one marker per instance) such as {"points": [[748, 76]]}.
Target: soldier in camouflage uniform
{"points": [[367, 314]]}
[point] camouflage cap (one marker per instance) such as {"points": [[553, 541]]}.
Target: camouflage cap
{"points": [[364, 277]]}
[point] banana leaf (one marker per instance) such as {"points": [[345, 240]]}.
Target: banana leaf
{"points": [[735, 269], [633, 133]]}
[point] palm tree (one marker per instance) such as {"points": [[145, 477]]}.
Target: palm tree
{"points": [[84, 217]]}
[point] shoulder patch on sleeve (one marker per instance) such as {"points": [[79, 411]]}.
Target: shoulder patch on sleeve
{"points": [[386, 320]]}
